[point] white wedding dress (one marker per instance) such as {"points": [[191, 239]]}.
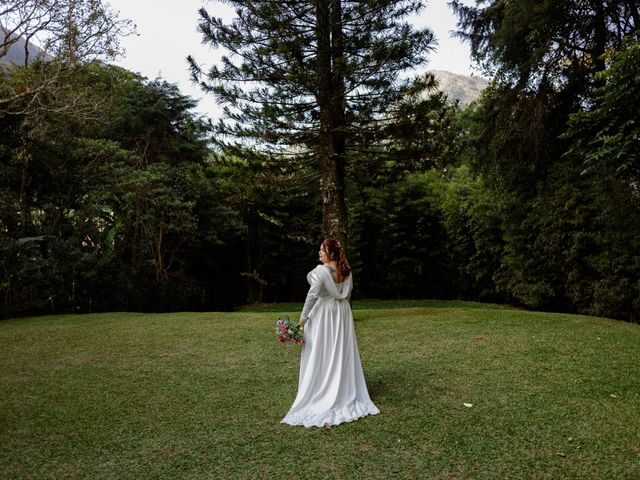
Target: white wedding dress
{"points": [[331, 387]]}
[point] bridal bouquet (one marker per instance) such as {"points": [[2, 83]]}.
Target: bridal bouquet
{"points": [[288, 331]]}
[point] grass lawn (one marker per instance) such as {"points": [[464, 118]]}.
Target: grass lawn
{"points": [[201, 395]]}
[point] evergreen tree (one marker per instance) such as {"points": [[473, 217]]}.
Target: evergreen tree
{"points": [[544, 57], [312, 82], [562, 230], [538, 45]]}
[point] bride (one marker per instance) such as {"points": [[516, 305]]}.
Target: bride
{"points": [[331, 387]]}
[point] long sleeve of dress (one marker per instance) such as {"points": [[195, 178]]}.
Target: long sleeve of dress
{"points": [[312, 296], [309, 303]]}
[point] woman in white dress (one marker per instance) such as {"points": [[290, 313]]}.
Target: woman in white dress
{"points": [[331, 387]]}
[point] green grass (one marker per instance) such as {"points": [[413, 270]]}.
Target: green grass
{"points": [[200, 395]]}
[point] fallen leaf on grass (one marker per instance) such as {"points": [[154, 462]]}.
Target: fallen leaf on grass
{"points": [[468, 405]]}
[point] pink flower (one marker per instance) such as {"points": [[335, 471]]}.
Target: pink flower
{"points": [[288, 332]]}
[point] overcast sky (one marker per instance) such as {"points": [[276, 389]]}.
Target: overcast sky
{"points": [[167, 33]]}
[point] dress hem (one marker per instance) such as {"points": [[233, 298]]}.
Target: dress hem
{"points": [[332, 417]]}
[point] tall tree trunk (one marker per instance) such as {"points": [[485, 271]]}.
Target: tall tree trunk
{"points": [[338, 107], [331, 103], [253, 246], [25, 183], [634, 11], [599, 37], [159, 255]]}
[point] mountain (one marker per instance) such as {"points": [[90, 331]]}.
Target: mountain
{"points": [[464, 88], [16, 53]]}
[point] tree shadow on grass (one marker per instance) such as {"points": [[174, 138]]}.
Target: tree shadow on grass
{"points": [[403, 384]]}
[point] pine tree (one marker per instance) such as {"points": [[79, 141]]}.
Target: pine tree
{"points": [[312, 83]]}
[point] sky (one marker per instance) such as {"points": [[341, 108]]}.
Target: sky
{"points": [[166, 34]]}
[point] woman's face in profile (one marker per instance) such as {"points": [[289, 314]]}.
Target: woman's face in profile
{"points": [[322, 255]]}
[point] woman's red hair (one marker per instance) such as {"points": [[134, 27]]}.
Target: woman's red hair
{"points": [[334, 250]]}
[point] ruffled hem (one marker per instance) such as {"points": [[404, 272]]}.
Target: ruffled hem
{"points": [[332, 417]]}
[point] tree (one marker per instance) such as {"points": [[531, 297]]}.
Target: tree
{"points": [[155, 181], [472, 221], [73, 33], [564, 230], [277, 222], [608, 133], [545, 57], [127, 211], [536, 45], [312, 82], [66, 33], [402, 249]]}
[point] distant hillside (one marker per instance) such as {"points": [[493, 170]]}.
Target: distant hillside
{"points": [[16, 54], [464, 88]]}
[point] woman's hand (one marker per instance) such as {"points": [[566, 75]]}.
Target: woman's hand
{"points": [[303, 322]]}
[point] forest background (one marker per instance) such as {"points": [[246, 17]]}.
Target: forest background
{"points": [[115, 195]]}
